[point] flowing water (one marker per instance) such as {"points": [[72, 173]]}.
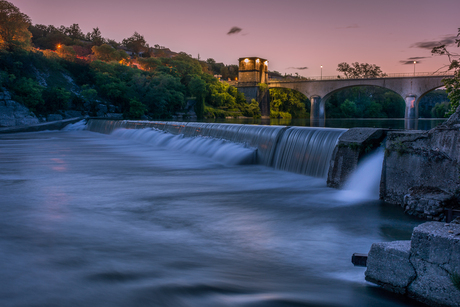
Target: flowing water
{"points": [[148, 218]]}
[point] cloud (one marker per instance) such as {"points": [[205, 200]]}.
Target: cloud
{"points": [[447, 40], [298, 68], [234, 30], [352, 26], [410, 61]]}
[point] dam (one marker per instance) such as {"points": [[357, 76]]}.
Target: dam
{"points": [[130, 213]]}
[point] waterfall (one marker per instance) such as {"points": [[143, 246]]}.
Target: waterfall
{"points": [[364, 183], [303, 150], [306, 150]]}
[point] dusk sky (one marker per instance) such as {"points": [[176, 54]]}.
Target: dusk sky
{"points": [[296, 36]]}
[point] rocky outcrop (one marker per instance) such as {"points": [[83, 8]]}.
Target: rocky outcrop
{"points": [[421, 268], [421, 170], [351, 147], [13, 113]]}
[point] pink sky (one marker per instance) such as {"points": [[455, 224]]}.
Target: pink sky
{"points": [[290, 34]]}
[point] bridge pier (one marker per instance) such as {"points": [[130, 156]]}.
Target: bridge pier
{"points": [[317, 108], [411, 107]]}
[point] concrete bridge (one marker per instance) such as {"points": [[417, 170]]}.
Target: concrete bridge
{"points": [[410, 88]]}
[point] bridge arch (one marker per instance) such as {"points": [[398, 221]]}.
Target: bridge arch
{"points": [[409, 88], [328, 96]]}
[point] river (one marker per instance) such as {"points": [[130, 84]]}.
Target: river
{"points": [[88, 219]]}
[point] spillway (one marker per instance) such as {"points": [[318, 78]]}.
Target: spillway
{"points": [[302, 150]]}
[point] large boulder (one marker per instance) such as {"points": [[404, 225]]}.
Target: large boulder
{"points": [[421, 268], [13, 113]]}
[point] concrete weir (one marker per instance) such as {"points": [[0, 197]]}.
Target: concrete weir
{"points": [[54, 125]]}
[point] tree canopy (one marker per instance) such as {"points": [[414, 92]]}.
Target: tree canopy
{"points": [[452, 84], [13, 26], [360, 70]]}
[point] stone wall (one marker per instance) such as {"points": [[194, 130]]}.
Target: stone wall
{"points": [[421, 268], [421, 169]]}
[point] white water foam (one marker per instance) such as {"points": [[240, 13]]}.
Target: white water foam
{"points": [[78, 126], [364, 183], [219, 150]]}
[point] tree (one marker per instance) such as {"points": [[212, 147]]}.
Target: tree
{"points": [[13, 26], [360, 70], [66, 52], [107, 53], [95, 36], [56, 99], [197, 88], [452, 84], [74, 32], [136, 43], [136, 109]]}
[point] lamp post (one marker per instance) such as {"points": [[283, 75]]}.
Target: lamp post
{"points": [[414, 67], [321, 72]]}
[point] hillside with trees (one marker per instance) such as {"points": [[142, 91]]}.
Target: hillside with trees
{"points": [[58, 70]]}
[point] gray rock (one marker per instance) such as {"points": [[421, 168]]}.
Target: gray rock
{"points": [[437, 243], [388, 264], [423, 160], [14, 114], [102, 108], [422, 267], [73, 113], [54, 117]]}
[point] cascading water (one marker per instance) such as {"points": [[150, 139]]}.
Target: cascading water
{"points": [[306, 150], [364, 183], [219, 150], [303, 150]]}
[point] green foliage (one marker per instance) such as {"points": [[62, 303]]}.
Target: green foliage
{"points": [[107, 53], [136, 43], [251, 110], [348, 109], [14, 25], [197, 87], [286, 103], [277, 114], [136, 109], [429, 102], [28, 92], [440, 109], [360, 70], [66, 52], [365, 102], [452, 84], [56, 99]]}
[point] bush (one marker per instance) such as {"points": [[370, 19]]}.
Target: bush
{"points": [[56, 99], [136, 109]]}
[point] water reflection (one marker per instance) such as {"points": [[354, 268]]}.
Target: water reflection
{"points": [[390, 123]]}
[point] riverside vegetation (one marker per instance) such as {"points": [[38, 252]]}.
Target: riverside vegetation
{"points": [[52, 70]]}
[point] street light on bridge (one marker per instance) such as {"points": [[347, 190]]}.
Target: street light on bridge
{"points": [[414, 67], [321, 72]]}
